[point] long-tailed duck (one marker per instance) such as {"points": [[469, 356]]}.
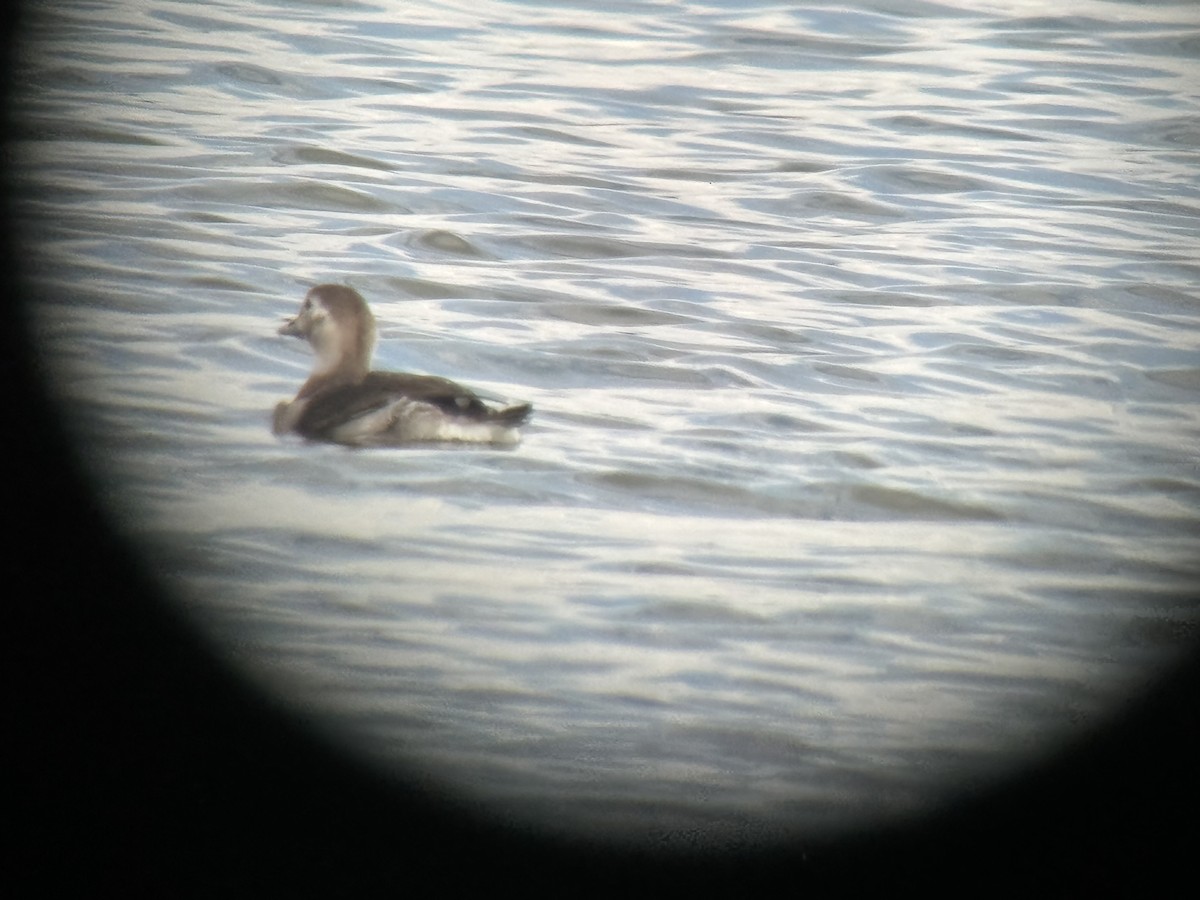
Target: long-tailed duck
{"points": [[343, 401]]}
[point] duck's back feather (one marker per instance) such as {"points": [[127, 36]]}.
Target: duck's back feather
{"points": [[387, 406]]}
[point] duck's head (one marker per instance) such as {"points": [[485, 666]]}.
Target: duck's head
{"points": [[338, 324]]}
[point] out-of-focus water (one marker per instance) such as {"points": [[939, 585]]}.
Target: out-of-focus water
{"points": [[862, 340]]}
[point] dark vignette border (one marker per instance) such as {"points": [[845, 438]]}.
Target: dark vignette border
{"points": [[143, 765]]}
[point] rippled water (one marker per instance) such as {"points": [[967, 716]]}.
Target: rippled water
{"points": [[862, 340]]}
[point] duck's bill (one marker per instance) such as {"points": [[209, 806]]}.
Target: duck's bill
{"points": [[292, 327]]}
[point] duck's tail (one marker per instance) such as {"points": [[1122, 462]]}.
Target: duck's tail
{"points": [[515, 415]]}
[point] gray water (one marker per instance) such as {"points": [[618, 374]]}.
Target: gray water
{"points": [[862, 339]]}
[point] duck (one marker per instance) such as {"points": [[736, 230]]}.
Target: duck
{"points": [[345, 402]]}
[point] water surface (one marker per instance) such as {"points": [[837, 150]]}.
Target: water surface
{"points": [[862, 340]]}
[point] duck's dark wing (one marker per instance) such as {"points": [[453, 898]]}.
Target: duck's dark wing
{"points": [[335, 407], [443, 393]]}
